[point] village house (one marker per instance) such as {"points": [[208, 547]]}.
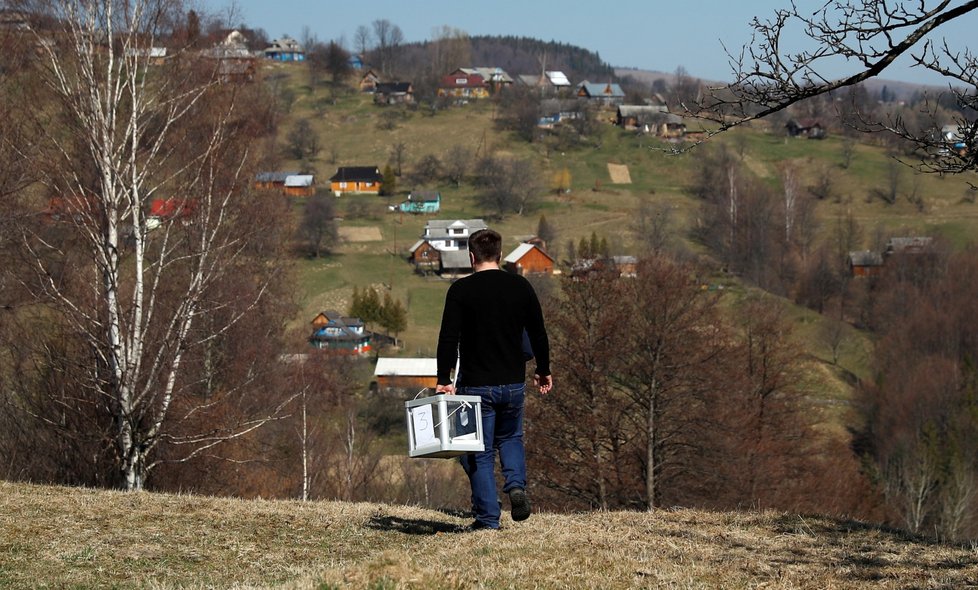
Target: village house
{"points": [[528, 259], [272, 180], [356, 179], [369, 81], [810, 128], [285, 49], [406, 373], [300, 185], [235, 63], [346, 335], [496, 78], [444, 246], [609, 94], [865, 263], [549, 83], [908, 245], [651, 119], [426, 201], [388, 93], [463, 85], [619, 266], [554, 111]]}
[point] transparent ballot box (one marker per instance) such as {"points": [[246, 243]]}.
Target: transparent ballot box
{"points": [[443, 426]]}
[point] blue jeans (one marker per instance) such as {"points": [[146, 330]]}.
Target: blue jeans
{"points": [[502, 431]]}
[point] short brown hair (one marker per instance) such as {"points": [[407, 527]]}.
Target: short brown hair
{"points": [[486, 245]]}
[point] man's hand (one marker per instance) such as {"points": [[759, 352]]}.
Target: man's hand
{"points": [[545, 384], [446, 389]]}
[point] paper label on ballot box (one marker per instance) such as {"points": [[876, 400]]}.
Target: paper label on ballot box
{"points": [[424, 426]]}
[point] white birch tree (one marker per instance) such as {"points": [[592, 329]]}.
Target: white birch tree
{"points": [[123, 131]]}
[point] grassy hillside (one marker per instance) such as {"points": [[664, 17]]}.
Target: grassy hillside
{"points": [[350, 129], [56, 537]]}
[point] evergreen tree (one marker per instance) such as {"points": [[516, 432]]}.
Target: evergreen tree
{"points": [[370, 307], [584, 248], [545, 231], [393, 316], [356, 304], [389, 186]]}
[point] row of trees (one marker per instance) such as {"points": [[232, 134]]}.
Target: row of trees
{"points": [[388, 313], [666, 401]]}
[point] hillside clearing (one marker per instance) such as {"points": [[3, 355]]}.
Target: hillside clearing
{"points": [[82, 538]]}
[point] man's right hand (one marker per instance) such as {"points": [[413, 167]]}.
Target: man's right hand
{"points": [[545, 384], [446, 389]]}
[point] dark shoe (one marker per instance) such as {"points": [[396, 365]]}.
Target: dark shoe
{"points": [[519, 504]]}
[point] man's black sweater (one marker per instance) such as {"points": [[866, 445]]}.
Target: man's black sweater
{"points": [[484, 318]]}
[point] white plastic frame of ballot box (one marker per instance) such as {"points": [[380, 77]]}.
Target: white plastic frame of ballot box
{"points": [[441, 426]]}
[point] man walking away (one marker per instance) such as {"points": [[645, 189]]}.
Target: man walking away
{"points": [[485, 316]]}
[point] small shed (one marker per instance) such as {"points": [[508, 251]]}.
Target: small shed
{"points": [[529, 259], [865, 263], [413, 373], [300, 185], [272, 180]]}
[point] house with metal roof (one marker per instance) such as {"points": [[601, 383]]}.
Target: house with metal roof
{"points": [[388, 93], [272, 180], [529, 259], [444, 246], [865, 263], [300, 185], [285, 49], [607, 94], [461, 84], [425, 201], [413, 373], [356, 179], [330, 330], [496, 78]]}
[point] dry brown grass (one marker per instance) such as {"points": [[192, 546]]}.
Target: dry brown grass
{"points": [[80, 538]]}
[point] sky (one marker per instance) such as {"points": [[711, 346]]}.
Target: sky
{"points": [[643, 34]]}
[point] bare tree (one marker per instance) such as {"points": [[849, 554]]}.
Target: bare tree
{"points": [[676, 342], [145, 305], [387, 37], [361, 40], [584, 458], [456, 162], [507, 185], [303, 141], [318, 225], [873, 34]]}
